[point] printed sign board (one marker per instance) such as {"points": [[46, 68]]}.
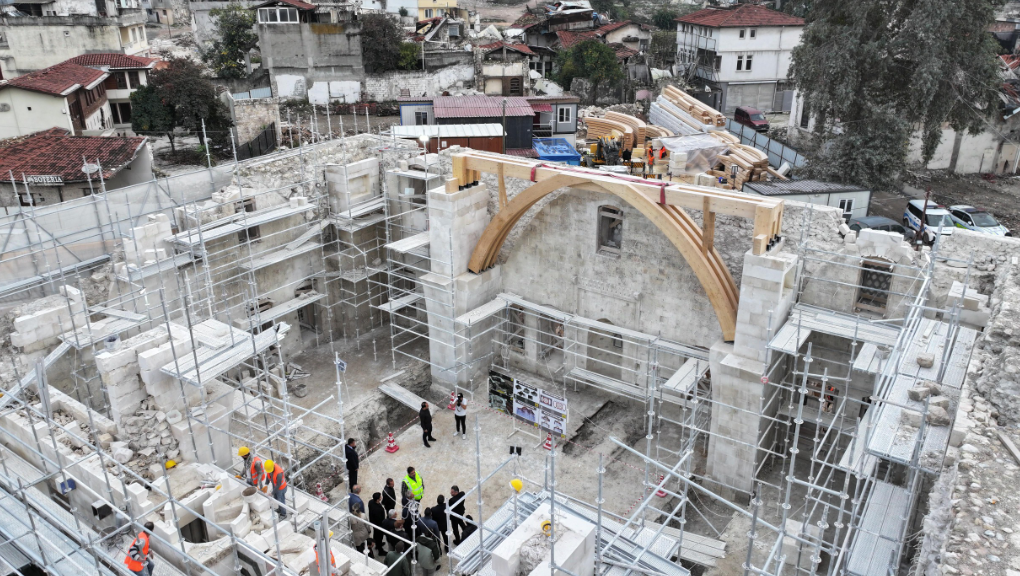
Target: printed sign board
{"points": [[527, 403]]}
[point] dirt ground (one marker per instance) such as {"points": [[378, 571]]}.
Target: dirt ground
{"points": [[1000, 195]]}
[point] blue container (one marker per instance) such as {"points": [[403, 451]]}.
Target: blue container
{"points": [[556, 150]]}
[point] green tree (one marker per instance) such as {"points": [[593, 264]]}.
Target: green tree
{"points": [[409, 57], [178, 96], [616, 9], [664, 18], [874, 73], [382, 41], [589, 59], [235, 36]]}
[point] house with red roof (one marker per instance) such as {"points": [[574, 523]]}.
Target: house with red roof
{"points": [[50, 166], [125, 75], [741, 54], [503, 69], [67, 95]]}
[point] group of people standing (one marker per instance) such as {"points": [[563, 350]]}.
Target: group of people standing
{"points": [[459, 417]]}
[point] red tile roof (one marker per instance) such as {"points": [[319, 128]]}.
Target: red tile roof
{"points": [[113, 60], [54, 152], [58, 80], [515, 46], [1002, 27], [527, 20], [568, 39], [480, 106], [613, 26], [622, 52], [1010, 61], [742, 15]]}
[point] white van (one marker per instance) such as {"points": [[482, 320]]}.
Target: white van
{"points": [[934, 216]]}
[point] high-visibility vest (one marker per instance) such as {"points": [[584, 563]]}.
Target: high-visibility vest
{"points": [[138, 553], [332, 559], [277, 478], [255, 471], [416, 485]]}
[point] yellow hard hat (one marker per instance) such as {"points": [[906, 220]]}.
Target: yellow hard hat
{"points": [[330, 533], [170, 464], [268, 466], [242, 451], [516, 484]]}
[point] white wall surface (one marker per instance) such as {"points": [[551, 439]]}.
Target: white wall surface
{"points": [[46, 112]]}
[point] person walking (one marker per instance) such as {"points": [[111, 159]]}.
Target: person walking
{"points": [[377, 515], [456, 507], [276, 478], [439, 515], [424, 556], [354, 501], [351, 454], [359, 531], [460, 415], [425, 418], [412, 483], [398, 564], [389, 496], [251, 467], [139, 557]]}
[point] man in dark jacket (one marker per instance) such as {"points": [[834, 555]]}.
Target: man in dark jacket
{"points": [[439, 515], [398, 566], [376, 516], [351, 453], [425, 417], [389, 496], [429, 527], [457, 507], [394, 526]]}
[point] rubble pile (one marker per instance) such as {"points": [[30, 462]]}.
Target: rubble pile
{"points": [[147, 441]]}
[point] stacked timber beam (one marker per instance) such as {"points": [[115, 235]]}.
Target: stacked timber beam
{"points": [[697, 109], [657, 132], [636, 124], [607, 127]]}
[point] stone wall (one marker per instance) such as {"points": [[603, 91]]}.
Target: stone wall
{"points": [[251, 117], [386, 87]]}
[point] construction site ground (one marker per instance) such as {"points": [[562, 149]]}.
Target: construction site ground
{"points": [[1000, 196]]}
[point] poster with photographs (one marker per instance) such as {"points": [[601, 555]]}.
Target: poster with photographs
{"points": [[501, 392], [529, 404]]}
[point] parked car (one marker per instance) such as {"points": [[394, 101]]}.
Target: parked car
{"points": [[752, 118], [977, 220], [880, 223], [935, 216]]}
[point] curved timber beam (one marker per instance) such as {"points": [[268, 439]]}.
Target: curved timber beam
{"points": [[681, 230]]}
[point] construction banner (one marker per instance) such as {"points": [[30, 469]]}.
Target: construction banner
{"points": [[527, 403]]}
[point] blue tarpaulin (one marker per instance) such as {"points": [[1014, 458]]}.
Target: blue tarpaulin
{"points": [[556, 150]]}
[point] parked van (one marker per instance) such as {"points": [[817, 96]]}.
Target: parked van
{"points": [[934, 216], [752, 118]]}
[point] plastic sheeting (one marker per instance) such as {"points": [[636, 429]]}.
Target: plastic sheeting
{"points": [[702, 152]]}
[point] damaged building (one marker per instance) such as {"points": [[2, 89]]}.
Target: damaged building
{"points": [[661, 378]]}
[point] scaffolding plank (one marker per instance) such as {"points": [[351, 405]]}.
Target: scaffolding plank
{"points": [[97, 331], [70, 269], [136, 273], [362, 209], [410, 244], [684, 381], [193, 238], [790, 338], [868, 360], [878, 533], [403, 395], [214, 363], [311, 232], [124, 314], [484, 311], [605, 383], [843, 325], [694, 547], [553, 313], [281, 310], [281, 254], [257, 218], [398, 303]]}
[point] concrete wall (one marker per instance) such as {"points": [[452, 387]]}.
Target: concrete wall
{"points": [[300, 55], [251, 117], [966, 153], [35, 43], [202, 23]]}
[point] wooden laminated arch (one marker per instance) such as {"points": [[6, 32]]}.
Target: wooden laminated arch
{"points": [[662, 203]]}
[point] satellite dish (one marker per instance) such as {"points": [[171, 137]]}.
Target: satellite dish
{"points": [[90, 168]]}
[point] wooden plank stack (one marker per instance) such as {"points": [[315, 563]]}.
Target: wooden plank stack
{"points": [[599, 127], [636, 124], [699, 110]]}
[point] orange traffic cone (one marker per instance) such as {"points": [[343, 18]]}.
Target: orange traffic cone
{"points": [[548, 442], [660, 493], [391, 444]]}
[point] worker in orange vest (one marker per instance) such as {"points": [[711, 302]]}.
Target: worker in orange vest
{"points": [[332, 559], [277, 480], [139, 558], [251, 468]]}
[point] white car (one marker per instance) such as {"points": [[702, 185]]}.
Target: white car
{"points": [[934, 216], [977, 220]]}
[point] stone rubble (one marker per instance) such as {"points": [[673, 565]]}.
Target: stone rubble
{"points": [[147, 434]]}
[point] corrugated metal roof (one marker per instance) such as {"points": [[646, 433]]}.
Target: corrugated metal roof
{"points": [[449, 131], [788, 187], [480, 107]]}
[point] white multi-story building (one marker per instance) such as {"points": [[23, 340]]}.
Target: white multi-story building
{"points": [[740, 54]]}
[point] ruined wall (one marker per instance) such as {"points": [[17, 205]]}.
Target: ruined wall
{"points": [[387, 87], [251, 117]]}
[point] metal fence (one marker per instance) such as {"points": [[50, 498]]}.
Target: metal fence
{"points": [[264, 143], [776, 150], [253, 94]]}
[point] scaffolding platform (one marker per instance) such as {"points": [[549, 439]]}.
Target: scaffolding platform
{"points": [[281, 310], [869, 360], [410, 244], [277, 255], [694, 547], [137, 273], [234, 224], [402, 395], [399, 303], [932, 337], [484, 311], [811, 319], [855, 458], [891, 439], [684, 382], [359, 210], [878, 533], [69, 270], [214, 362], [98, 330]]}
